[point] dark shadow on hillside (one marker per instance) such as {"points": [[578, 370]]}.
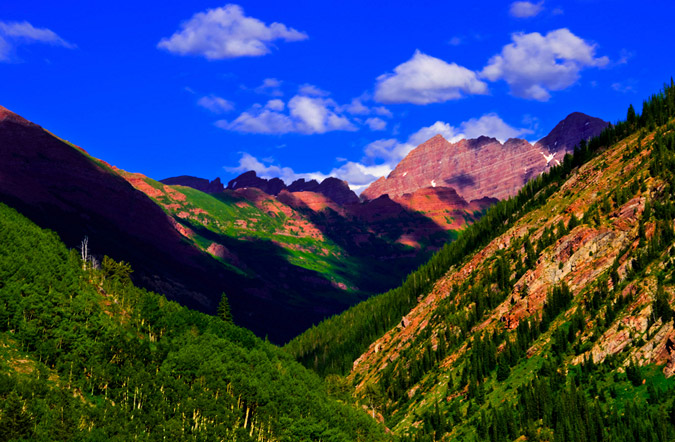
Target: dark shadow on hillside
{"points": [[369, 233], [60, 188], [288, 298]]}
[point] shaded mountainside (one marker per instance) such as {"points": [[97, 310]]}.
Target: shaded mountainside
{"points": [[86, 355], [62, 188], [551, 318], [280, 288], [483, 167]]}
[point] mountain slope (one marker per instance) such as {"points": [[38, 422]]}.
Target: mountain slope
{"points": [[556, 326], [85, 355], [61, 187]]}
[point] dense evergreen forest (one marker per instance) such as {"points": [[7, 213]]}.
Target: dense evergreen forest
{"points": [[86, 355]]}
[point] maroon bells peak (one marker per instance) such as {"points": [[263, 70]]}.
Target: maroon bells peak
{"points": [[483, 167]]}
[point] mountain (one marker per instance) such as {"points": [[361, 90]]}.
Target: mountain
{"points": [[202, 184], [333, 188], [483, 167], [569, 132], [62, 188], [550, 318]]}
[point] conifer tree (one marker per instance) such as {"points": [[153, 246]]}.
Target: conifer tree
{"points": [[224, 312]]}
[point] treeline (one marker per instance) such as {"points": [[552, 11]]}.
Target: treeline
{"points": [[85, 355]]}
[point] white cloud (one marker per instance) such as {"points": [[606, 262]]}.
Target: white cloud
{"points": [[263, 121], [357, 107], [227, 33], [424, 79], [215, 104], [375, 123], [269, 86], [490, 125], [5, 49], [310, 89], [534, 64], [314, 115], [524, 9], [16, 33], [275, 105], [306, 115]]}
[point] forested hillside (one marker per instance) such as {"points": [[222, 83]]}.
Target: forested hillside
{"points": [[86, 355], [549, 319]]}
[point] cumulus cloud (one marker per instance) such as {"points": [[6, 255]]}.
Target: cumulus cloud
{"points": [[525, 9], [490, 125], [275, 105], [215, 104], [358, 107], [424, 79], [13, 34], [227, 33], [305, 114], [310, 89], [375, 123], [269, 86], [535, 64]]}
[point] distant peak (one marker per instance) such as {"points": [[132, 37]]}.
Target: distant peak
{"points": [[202, 184]]}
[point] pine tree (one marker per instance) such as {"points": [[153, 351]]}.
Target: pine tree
{"points": [[224, 312]]}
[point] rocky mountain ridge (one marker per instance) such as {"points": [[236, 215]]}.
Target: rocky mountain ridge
{"points": [[484, 167]]}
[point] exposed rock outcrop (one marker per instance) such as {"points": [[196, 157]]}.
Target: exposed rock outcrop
{"points": [[251, 179], [333, 188]]}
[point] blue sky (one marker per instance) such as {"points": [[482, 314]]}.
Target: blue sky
{"points": [[311, 89]]}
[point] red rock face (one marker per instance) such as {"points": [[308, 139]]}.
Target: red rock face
{"points": [[313, 201], [476, 168], [444, 206], [483, 167]]}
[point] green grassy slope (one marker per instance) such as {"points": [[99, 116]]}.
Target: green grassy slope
{"points": [[85, 355]]}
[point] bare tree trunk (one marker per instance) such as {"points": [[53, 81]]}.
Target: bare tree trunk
{"points": [[84, 252]]}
